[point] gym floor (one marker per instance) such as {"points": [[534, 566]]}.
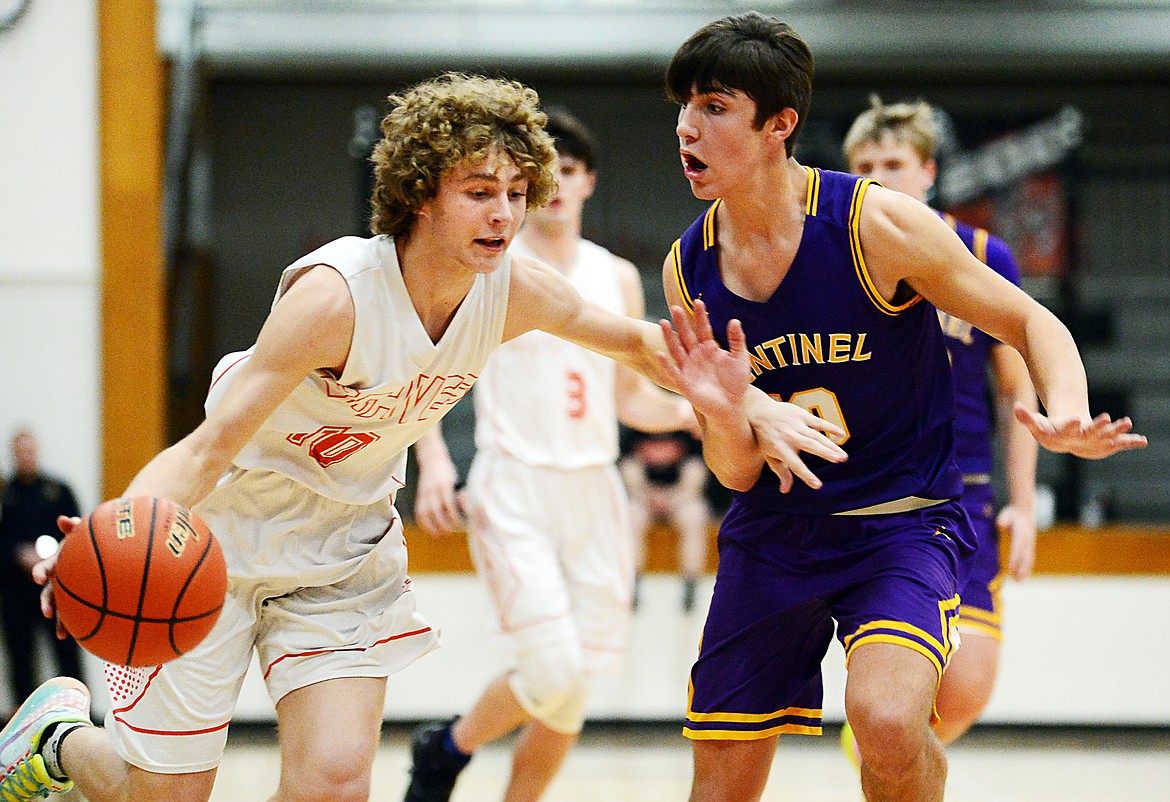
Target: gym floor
{"points": [[651, 763]]}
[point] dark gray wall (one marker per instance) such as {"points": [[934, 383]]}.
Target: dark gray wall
{"points": [[282, 179]]}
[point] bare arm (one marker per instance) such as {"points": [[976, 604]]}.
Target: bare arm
{"points": [[540, 298], [310, 328], [1018, 517], [436, 504], [640, 403], [717, 382], [904, 242]]}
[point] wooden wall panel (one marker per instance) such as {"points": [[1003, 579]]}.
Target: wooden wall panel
{"points": [[1064, 549], [133, 268]]}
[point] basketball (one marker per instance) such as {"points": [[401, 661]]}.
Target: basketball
{"points": [[140, 581]]}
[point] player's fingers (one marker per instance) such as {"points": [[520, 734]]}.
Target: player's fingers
{"points": [[782, 472], [1128, 442], [819, 423], [43, 571], [676, 354], [48, 606], [684, 325], [818, 445], [1021, 563], [702, 322], [794, 464], [736, 339], [452, 518], [67, 524], [1028, 417]]}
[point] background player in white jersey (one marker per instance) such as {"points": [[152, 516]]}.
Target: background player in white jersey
{"points": [[368, 343], [895, 145], [548, 516]]}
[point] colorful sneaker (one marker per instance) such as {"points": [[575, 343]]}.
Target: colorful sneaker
{"points": [[25, 776], [849, 746], [434, 769]]}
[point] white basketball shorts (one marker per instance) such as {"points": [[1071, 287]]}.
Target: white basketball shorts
{"points": [[317, 587]]}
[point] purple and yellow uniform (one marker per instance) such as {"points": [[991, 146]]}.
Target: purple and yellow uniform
{"points": [[970, 351], [877, 548]]}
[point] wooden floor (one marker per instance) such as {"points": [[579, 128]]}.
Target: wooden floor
{"points": [[651, 763]]}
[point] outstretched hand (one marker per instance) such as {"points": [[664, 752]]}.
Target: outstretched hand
{"points": [[717, 382], [1099, 438], [713, 379], [785, 430]]}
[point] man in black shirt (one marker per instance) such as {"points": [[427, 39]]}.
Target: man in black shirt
{"points": [[28, 510]]}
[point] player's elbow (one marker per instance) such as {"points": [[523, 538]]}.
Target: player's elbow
{"points": [[735, 479]]}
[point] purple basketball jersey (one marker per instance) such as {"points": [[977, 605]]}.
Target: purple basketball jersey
{"points": [[828, 342], [970, 350]]}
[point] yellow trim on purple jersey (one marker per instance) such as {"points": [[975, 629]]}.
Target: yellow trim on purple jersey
{"points": [[709, 225], [813, 193], [863, 276], [676, 255], [979, 236]]}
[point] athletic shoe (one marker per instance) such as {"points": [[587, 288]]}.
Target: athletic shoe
{"points": [[849, 746], [25, 777], [434, 769]]}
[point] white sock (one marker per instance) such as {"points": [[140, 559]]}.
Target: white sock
{"points": [[51, 748]]}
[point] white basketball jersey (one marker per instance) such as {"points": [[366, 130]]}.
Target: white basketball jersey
{"points": [[346, 437], [545, 401]]}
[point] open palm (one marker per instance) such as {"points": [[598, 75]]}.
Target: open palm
{"points": [[712, 378]]}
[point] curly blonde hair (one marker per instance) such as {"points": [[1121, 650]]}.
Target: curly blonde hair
{"points": [[909, 123], [444, 121]]}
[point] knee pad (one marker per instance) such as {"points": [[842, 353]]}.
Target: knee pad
{"points": [[551, 686], [568, 715]]}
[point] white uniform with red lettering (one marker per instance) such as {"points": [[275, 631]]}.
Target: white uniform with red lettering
{"points": [[548, 515], [317, 582]]}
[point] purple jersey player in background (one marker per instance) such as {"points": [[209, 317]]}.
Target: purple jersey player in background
{"points": [[895, 146], [835, 282]]}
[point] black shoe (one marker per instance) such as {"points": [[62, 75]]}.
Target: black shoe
{"points": [[434, 769], [688, 595]]}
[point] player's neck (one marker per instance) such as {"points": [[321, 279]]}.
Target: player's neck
{"points": [[555, 245], [775, 200], [435, 283]]}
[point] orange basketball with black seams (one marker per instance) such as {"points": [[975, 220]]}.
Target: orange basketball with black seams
{"points": [[140, 581]]}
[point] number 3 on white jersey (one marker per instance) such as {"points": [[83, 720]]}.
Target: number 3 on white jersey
{"points": [[577, 398], [823, 404]]}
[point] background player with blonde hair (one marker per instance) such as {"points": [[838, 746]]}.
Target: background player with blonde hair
{"points": [[547, 513], [895, 145]]}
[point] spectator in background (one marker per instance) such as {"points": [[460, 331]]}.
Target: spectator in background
{"points": [[29, 508], [666, 479]]}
